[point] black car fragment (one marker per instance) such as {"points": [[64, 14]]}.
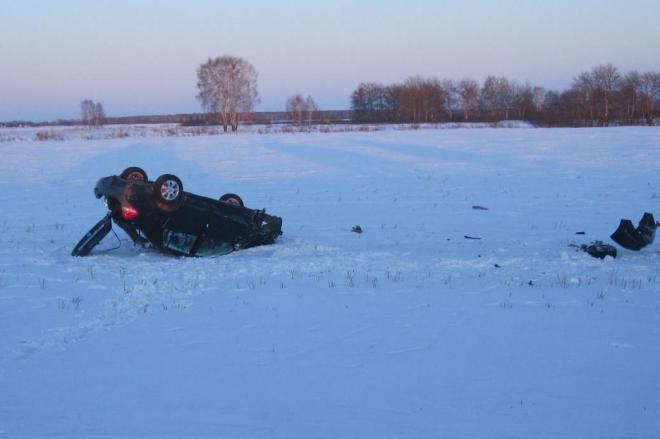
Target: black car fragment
{"points": [[631, 238]]}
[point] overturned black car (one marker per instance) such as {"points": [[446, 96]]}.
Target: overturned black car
{"points": [[160, 213]]}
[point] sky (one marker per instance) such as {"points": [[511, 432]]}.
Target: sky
{"points": [[140, 57]]}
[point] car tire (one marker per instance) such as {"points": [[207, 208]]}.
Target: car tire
{"points": [[232, 199], [168, 190], [134, 173]]}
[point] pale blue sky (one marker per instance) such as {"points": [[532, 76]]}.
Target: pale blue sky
{"points": [[140, 57]]}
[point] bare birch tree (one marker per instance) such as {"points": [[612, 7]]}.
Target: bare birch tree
{"points": [[630, 94], [310, 108], [87, 110], [539, 98], [452, 97], [300, 108], [649, 90], [469, 92], [505, 95], [296, 108], [584, 92], [92, 113], [227, 87], [373, 102], [607, 80], [488, 96], [99, 114], [523, 99]]}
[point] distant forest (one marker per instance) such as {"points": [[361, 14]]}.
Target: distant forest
{"points": [[602, 96]]}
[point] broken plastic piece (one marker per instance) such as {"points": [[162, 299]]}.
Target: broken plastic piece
{"points": [[599, 250], [647, 227], [627, 236]]}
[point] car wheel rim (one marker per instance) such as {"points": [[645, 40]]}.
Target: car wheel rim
{"points": [[169, 190]]}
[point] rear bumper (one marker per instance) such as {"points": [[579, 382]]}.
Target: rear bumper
{"points": [[135, 193]]}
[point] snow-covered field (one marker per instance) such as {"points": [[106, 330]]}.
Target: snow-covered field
{"points": [[407, 330], [77, 132]]}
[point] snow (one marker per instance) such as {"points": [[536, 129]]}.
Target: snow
{"points": [[121, 131], [406, 330]]}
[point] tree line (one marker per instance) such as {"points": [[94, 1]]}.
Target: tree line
{"points": [[597, 97], [227, 91]]}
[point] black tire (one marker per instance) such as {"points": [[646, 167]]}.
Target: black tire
{"points": [[134, 173], [232, 199], [168, 190]]}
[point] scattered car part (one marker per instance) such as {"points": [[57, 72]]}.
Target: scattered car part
{"points": [[631, 238], [600, 250]]}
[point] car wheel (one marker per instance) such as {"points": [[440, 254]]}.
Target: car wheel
{"points": [[168, 190], [134, 173], [232, 199]]}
